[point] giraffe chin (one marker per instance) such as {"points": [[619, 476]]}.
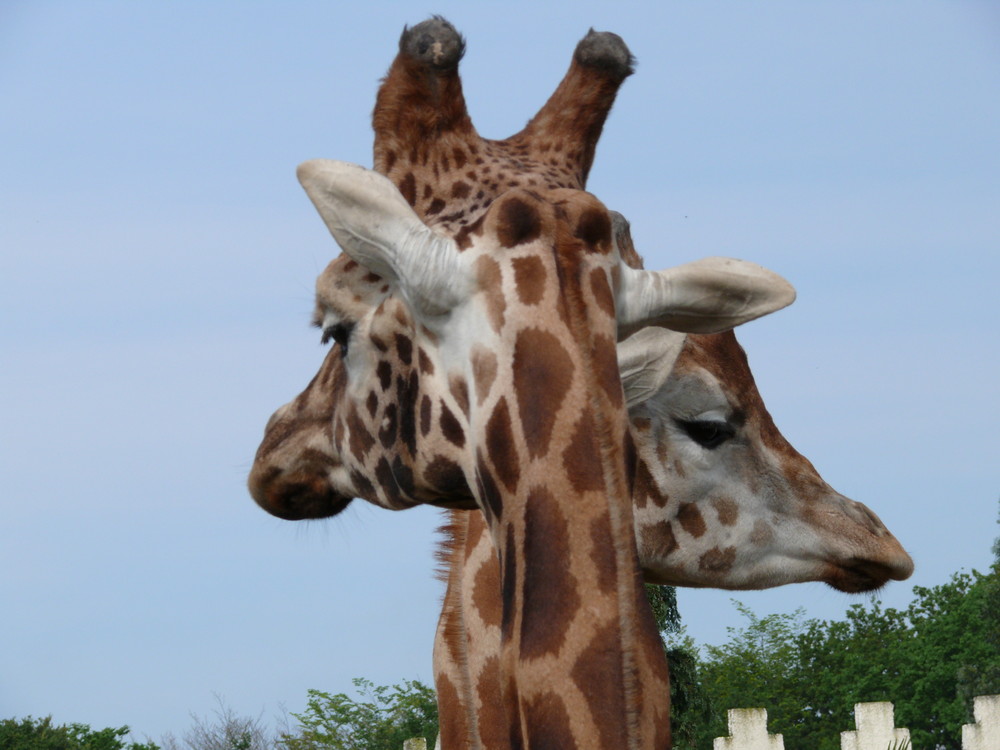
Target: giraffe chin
{"points": [[300, 500], [863, 576]]}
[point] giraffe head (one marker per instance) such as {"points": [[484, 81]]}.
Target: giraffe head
{"points": [[721, 498], [307, 465]]}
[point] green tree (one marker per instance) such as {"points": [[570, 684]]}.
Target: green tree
{"points": [[41, 734], [808, 674], [689, 705], [754, 669], [382, 719]]}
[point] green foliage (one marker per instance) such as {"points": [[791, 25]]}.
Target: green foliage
{"points": [[689, 705], [809, 674], [382, 719], [42, 734]]}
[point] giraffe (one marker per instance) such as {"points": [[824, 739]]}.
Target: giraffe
{"points": [[720, 500], [517, 290]]}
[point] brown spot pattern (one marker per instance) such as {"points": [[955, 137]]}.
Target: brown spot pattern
{"points": [[500, 446], [691, 520], [717, 561], [601, 543], [727, 510], [484, 372], [447, 477], [543, 372], [581, 459], [491, 282], [550, 595], [518, 222], [530, 279], [606, 368], [593, 228], [548, 718], [658, 541], [460, 392], [601, 658], [451, 428], [601, 290]]}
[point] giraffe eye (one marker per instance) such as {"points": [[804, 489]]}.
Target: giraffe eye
{"points": [[708, 433], [339, 333]]}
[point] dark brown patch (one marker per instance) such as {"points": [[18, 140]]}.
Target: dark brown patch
{"points": [[530, 278], [691, 520], [384, 371], [644, 487], [657, 541], [492, 730], [500, 446], [460, 392], [408, 187], [582, 459], [453, 727], [447, 477], [484, 372], [487, 493], [372, 403], [508, 584], [407, 391], [426, 365], [605, 357], [605, 693], [437, 205], [543, 373], [361, 485], [361, 440], [387, 431], [727, 510], [451, 428], [376, 341], [717, 561], [491, 282], [601, 546], [404, 347], [550, 595], [460, 190], [425, 415], [484, 593], [601, 290], [593, 228], [463, 237], [518, 221], [548, 718], [460, 157]]}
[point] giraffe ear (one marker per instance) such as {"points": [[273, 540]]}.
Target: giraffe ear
{"points": [[645, 361], [706, 296], [376, 227]]}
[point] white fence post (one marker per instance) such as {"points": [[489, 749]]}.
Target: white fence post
{"points": [[985, 733], [876, 728], [748, 731]]}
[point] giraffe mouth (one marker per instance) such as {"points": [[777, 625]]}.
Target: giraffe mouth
{"points": [[862, 576], [298, 497]]}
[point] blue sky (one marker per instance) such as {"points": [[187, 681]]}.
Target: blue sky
{"points": [[157, 259]]}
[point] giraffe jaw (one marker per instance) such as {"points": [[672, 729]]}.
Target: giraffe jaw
{"points": [[862, 576]]}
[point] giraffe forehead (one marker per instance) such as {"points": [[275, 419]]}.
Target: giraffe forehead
{"points": [[519, 217]]}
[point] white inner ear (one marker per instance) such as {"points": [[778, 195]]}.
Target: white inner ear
{"points": [[375, 225], [706, 296], [646, 360]]}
